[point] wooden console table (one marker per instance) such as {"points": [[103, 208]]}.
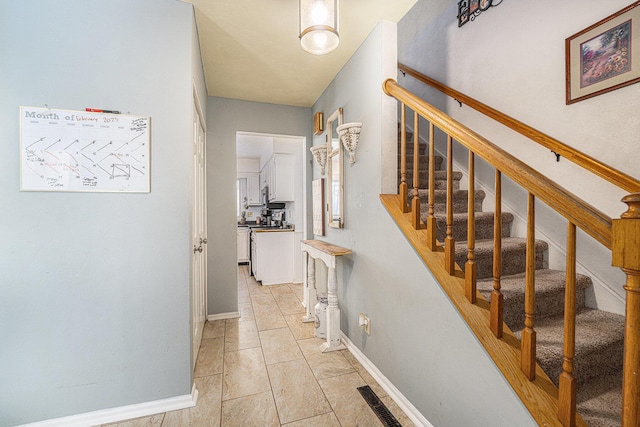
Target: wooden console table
{"points": [[317, 249]]}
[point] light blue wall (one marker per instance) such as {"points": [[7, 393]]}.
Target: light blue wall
{"points": [[94, 288], [225, 117], [512, 58], [418, 340]]}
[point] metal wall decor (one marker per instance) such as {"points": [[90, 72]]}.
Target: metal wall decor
{"points": [[468, 10]]}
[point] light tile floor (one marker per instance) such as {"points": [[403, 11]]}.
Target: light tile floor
{"points": [[265, 369]]}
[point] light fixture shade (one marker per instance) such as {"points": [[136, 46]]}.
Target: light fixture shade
{"points": [[319, 26]]}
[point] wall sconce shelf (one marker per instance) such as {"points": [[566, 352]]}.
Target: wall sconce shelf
{"points": [[349, 135], [320, 154]]}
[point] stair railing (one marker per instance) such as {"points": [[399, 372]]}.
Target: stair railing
{"points": [[616, 177], [622, 236]]}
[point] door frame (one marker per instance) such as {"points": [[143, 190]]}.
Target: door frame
{"points": [[197, 324], [302, 141]]}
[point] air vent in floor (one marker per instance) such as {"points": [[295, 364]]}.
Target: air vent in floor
{"points": [[379, 408]]}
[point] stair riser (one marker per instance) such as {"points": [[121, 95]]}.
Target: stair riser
{"points": [[422, 149], [440, 180], [547, 304], [423, 163], [589, 365], [513, 260], [424, 182], [460, 202], [483, 229]]}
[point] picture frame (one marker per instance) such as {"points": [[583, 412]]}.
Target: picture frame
{"points": [[471, 9], [604, 56], [318, 123]]}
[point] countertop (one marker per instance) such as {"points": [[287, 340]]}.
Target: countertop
{"points": [[271, 229], [262, 228]]}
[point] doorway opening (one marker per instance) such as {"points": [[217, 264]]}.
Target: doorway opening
{"points": [[253, 154]]}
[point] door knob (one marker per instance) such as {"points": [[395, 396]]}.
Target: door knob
{"points": [[197, 249]]}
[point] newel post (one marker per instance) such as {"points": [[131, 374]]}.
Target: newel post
{"points": [[626, 255]]}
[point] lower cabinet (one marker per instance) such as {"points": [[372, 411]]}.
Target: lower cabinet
{"points": [[254, 257], [243, 244], [272, 261]]}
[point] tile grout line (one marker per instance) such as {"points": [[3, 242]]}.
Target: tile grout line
{"points": [[266, 368]]}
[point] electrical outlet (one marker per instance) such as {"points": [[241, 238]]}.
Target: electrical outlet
{"points": [[364, 323], [249, 214]]}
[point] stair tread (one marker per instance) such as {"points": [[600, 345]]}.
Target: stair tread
{"points": [[549, 300], [478, 216], [599, 345], [600, 403], [440, 175], [423, 192], [594, 329], [485, 246], [546, 280]]}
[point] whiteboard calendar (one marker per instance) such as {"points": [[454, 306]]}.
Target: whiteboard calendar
{"points": [[65, 150]]}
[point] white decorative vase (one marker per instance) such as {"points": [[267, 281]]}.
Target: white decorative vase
{"points": [[349, 134]]}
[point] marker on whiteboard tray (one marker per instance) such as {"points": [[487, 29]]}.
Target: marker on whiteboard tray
{"points": [[97, 110]]}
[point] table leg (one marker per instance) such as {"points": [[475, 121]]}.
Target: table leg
{"points": [[333, 315], [310, 291]]}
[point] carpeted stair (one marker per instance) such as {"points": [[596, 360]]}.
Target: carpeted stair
{"points": [[599, 335]]}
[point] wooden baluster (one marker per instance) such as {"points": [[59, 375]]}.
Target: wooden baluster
{"points": [[404, 189], [431, 219], [626, 255], [528, 346], [415, 205], [567, 386], [470, 268], [449, 242], [497, 299]]}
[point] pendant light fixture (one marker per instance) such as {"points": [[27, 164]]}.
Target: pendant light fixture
{"points": [[319, 26]]}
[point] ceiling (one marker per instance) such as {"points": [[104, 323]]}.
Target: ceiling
{"points": [[251, 51]]}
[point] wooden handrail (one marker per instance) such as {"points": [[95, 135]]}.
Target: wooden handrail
{"points": [[589, 219], [606, 172]]}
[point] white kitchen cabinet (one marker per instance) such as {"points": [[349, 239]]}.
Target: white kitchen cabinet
{"points": [[280, 178], [272, 262], [265, 175], [253, 189], [254, 256], [243, 244]]}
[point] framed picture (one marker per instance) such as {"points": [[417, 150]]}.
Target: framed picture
{"points": [[470, 9], [604, 56], [318, 123]]}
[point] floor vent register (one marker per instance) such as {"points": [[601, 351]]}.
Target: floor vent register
{"points": [[379, 408]]}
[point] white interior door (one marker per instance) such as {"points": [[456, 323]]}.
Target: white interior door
{"points": [[199, 234]]}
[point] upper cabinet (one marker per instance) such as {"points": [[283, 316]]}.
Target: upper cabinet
{"points": [[252, 195], [278, 175], [253, 189]]}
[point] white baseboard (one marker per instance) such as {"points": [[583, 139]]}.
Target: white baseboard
{"points": [[416, 417], [122, 413], [222, 316]]}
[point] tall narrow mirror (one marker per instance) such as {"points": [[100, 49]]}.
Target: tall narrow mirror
{"points": [[334, 176]]}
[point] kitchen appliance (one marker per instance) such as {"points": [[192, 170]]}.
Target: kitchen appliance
{"points": [[277, 218], [267, 217], [270, 205]]}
